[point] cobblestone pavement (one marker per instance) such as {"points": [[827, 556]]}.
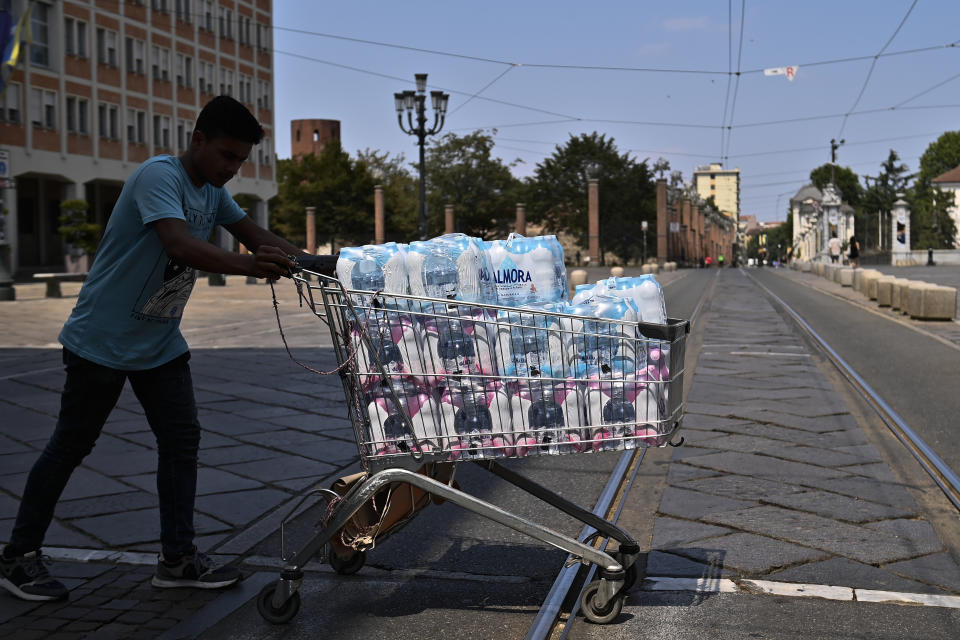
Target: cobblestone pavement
{"points": [[777, 478]]}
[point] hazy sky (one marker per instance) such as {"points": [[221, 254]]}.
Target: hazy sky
{"points": [[780, 130]]}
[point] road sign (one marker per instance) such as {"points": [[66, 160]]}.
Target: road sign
{"points": [[674, 227], [644, 225], [4, 164]]}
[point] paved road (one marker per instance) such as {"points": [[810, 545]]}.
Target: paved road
{"points": [[784, 477]]}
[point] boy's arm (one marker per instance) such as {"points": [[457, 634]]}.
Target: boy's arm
{"points": [[267, 262], [253, 236]]}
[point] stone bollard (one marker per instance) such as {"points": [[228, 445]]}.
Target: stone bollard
{"points": [[828, 270], [577, 276], [654, 268], [805, 266], [646, 269], [845, 276], [616, 272], [870, 283], [931, 302], [898, 299], [885, 291]]}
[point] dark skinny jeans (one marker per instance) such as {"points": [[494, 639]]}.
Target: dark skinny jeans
{"points": [[89, 395]]}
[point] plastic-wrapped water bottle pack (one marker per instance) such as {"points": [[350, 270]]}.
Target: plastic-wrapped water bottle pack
{"points": [[486, 357]]}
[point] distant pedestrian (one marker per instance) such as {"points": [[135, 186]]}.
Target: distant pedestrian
{"points": [[708, 260], [578, 257], [126, 326], [720, 261], [834, 246], [853, 256]]}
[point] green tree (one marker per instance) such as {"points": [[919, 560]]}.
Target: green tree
{"points": [[461, 171], [930, 222], [400, 193], [557, 195], [843, 177], [879, 196], [341, 189]]}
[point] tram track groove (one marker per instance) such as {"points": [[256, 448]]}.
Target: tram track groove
{"points": [[938, 470], [552, 622]]}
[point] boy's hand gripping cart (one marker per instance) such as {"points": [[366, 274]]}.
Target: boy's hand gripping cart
{"points": [[436, 382]]}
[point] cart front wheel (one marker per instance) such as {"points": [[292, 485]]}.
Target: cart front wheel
{"points": [[349, 566], [596, 614], [273, 614], [631, 578]]}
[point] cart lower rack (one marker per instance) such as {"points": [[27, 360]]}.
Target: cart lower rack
{"points": [[431, 383]]}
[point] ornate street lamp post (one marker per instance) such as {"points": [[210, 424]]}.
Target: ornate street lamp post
{"points": [[415, 102]]}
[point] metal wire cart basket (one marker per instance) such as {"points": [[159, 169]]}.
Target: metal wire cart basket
{"points": [[438, 382]]}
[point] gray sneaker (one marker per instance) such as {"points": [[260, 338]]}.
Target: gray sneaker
{"points": [[195, 570], [27, 578]]}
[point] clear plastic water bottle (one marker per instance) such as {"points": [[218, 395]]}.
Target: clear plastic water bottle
{"points": [[474, 426], [397, 434], [455, 347], [547, 423], [366, 275], [440, 277], [387, 352], [620, 418], [529, 348]]}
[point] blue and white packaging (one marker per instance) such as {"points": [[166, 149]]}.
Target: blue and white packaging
{"points": [[450, 267], [598, 342], [527, 270], [582, 293], [645, 292], [374, 267], [531, 344]]}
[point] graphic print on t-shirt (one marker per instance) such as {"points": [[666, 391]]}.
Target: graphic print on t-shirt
{"points": [[168, 301]]}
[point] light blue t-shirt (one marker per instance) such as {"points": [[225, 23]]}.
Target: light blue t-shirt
{"points": [[128, 313]]}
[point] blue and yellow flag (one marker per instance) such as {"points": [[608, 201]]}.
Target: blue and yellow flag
{"points": [[13, 37]]}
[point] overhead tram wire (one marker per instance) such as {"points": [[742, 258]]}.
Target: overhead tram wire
{"points": [[736, 88], [726, 99], [926, 91], [487, 86], [873, 65]]}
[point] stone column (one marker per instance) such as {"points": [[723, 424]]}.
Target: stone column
{"points": [[521, 226], [448, 218], [662, 222], [593, 220], [900, 232], [378, 218], [829, 215], [312, 230]]}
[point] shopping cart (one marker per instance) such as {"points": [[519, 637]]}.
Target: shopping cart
{"points": [[431, 382]]}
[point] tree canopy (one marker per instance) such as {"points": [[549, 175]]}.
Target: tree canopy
{"points": [[462, 171], [843, 177], [557, 194]]}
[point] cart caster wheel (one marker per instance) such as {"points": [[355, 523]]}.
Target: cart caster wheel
{"points": [[273, 615], [631, 578], [349, 566], [595, 614]]}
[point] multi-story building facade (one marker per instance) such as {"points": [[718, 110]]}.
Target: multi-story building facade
{"points": [[107, 84], [722, 184]]}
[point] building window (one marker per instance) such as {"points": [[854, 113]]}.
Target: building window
{"points": [[43, 108], [77, 115], [107, 115], [161, 131], [207, 22], [75, 37], [205, 75], [184, 70], [107, 47], [161, 64], [136, 127], [226, 82], [159, 5], [40, 30], [263, 94], [183, 11], [184, 134], [135, 51], [10, 104]]}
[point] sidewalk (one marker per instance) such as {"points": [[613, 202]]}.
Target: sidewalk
{"points": [[777, 480], [271, 429]]}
